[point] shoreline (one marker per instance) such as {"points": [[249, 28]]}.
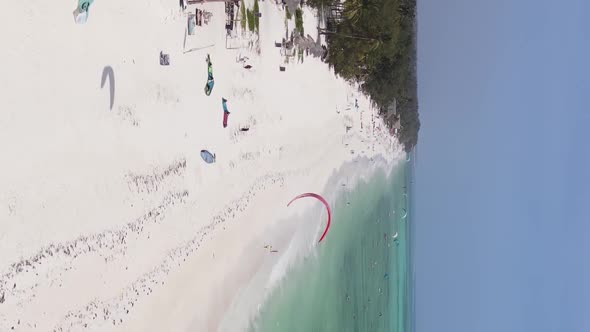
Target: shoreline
{"points": [[113, 212], [255, 291]]}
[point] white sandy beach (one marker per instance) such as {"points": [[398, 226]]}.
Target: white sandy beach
{"points": [[109, 218]]}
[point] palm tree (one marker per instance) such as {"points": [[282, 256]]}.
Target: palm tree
{"points": [[358, 10]]}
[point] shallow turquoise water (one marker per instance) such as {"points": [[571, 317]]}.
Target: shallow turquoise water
{"points": [[359, 277]]}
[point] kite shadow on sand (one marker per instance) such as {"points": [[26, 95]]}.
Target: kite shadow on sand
{"points": [[108, 72]]}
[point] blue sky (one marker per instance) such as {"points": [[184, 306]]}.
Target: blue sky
{"points": [[503, 166]]}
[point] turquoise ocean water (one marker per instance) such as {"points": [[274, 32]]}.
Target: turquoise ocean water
{"points": [[359, 278]]}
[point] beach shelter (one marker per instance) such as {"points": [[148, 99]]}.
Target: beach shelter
{"points": [[207, 156], [210, 82], [225, 112], [192, 22]]}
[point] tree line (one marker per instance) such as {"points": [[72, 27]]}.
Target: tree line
{"points": [[373, 42]]}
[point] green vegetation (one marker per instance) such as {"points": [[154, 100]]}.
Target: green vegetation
{"points": [[318, 4], [256, 18], [243, 18], [288, 13], [251, 23], [373, 42], [299, 21]]}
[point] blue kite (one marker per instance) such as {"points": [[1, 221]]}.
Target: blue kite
{"points": [[207, 156]]}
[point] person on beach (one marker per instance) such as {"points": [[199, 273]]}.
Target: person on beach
{"points": [[199, 16], [270, 249]]}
